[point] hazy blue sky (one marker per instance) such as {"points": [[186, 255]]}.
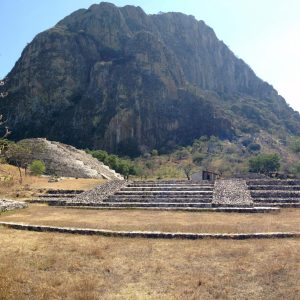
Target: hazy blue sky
{"points": [[264, 33]]}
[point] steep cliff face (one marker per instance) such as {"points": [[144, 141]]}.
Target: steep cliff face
{"points": [[125, 81]]}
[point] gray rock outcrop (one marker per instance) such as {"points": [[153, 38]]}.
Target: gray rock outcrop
{"points": [[67, 161], [118, 79]]}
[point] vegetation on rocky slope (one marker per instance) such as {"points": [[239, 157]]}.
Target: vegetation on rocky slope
{"points": [[259, 153]]}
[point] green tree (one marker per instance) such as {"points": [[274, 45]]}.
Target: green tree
{"points": [[18, 155], [101, 155], [37, 167], [264, 163], [122, 166]]}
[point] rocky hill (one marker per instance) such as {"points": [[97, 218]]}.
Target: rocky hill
{"points": [[67, 161], [119, 79]]}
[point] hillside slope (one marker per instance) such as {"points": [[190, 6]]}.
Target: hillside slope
{"points": [[67, 161], [122, 80]]}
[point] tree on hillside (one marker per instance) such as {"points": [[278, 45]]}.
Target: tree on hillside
{"points": [[264, 163], [120, 165], [37, 167], [18, 155], [187, 169]]}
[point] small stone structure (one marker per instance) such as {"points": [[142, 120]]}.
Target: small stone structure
{"points": [[6, 205], [67, 161], [204, 175], [231, 192]]}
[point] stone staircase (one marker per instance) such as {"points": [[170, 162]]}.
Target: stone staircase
{"points": [[52, 196], [160, 194], [275, 192], [176, 195]]}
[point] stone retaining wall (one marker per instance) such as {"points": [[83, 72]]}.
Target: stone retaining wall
{"points": [[152, 234]]}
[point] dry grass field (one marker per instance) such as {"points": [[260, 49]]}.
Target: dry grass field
{"points": [[286, 220], [58, 266], [31, 185], [36, 266]]}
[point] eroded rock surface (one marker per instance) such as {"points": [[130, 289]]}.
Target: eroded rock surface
{"points": [[67, 161], [115, 78]]}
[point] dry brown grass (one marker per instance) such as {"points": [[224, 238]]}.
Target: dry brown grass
{"points": [[286, 220], [58, 266], [33, 184]]}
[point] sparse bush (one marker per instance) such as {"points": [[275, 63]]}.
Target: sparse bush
{"points": [[182, 154], [295, 145], [154, 152], [253, 147], [37, 167], [198, 158], [246, 142]]}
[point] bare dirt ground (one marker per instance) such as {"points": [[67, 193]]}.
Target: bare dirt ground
{"points": [[59, 266], [286, 220]]}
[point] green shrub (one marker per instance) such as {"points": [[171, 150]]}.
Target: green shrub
{"points": [[264, 163], [120, 165], [182, 154], [154, 152], [37, 167]]}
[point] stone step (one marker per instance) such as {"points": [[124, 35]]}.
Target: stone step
{"points": [[48, 201], [175, 188], [57, 195], [257, 209], [273, 182], [282, 205], [163, 195], [274, 187], [170, 182], [170, 185], [64, 191], [275, 194], [162, 200], [166, 193], [276, 200], [135, 204]]}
